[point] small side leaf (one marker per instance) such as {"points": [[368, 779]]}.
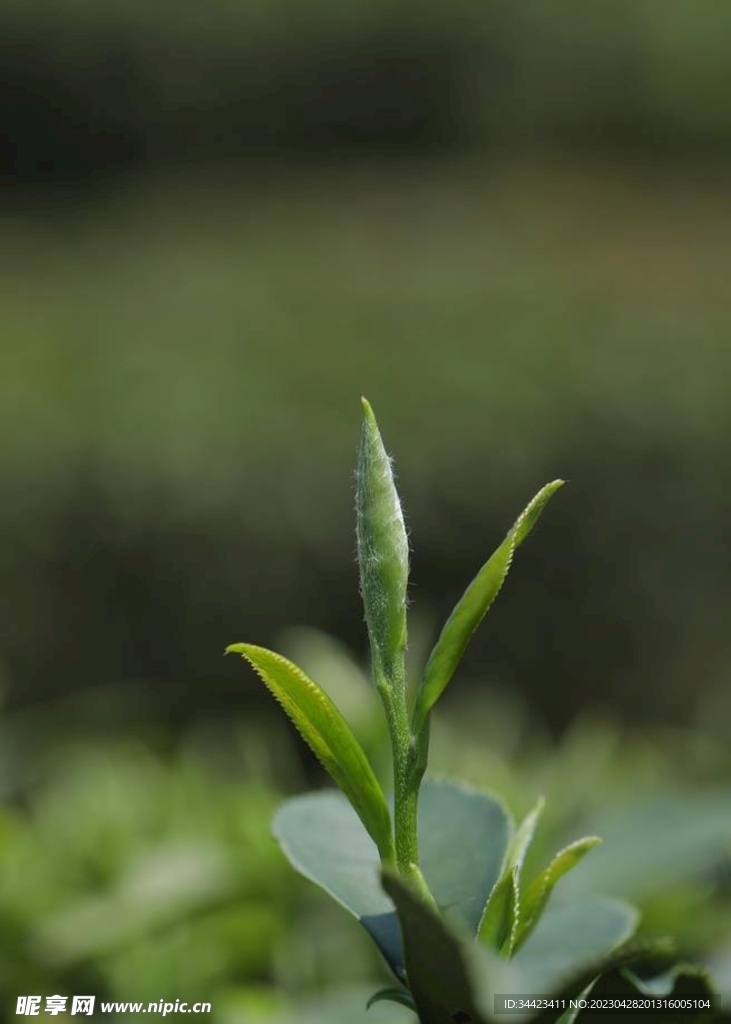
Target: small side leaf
{"points": [[541, 887], [472, 608], [520, 843], [499, 925], [500, 920], [329, 736]]}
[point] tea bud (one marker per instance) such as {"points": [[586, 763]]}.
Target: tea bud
{"points": [[383, 549]]}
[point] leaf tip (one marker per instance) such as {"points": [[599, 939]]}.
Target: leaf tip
{"points": [[236, 649], [394, 995]]}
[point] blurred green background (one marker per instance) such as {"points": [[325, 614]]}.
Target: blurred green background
{"points": [[509, 225]]}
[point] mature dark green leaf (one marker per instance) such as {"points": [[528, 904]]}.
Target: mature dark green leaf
{"points": [[436, 961], [323, 727]]}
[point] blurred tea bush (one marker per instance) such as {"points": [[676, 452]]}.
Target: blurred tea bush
{"points": [[139, 875], [178, 405]]}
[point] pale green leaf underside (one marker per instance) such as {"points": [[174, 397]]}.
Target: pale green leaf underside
{"points": [[323, 840], [463, 835], [472, 608], [331, 739], [462, 839]]}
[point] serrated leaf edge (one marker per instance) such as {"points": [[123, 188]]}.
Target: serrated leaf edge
{"points": [[425, 700], [373, 810], [544, 883]]}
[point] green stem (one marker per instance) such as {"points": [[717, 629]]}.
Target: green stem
{"points": [[391, 685]]}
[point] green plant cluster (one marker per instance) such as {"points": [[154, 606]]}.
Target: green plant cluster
{"points": [[436, 875], [659, 798]]}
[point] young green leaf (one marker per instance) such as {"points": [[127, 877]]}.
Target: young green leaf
{"points": [[499, 925], [329, 736], [523, 836], [541, 887], [500, 920], [472, 608], [383, 549]]}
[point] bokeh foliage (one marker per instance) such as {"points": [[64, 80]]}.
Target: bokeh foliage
{"points": [[176, 396]]}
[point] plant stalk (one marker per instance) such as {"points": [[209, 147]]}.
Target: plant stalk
{"points": [[391, 685]]}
